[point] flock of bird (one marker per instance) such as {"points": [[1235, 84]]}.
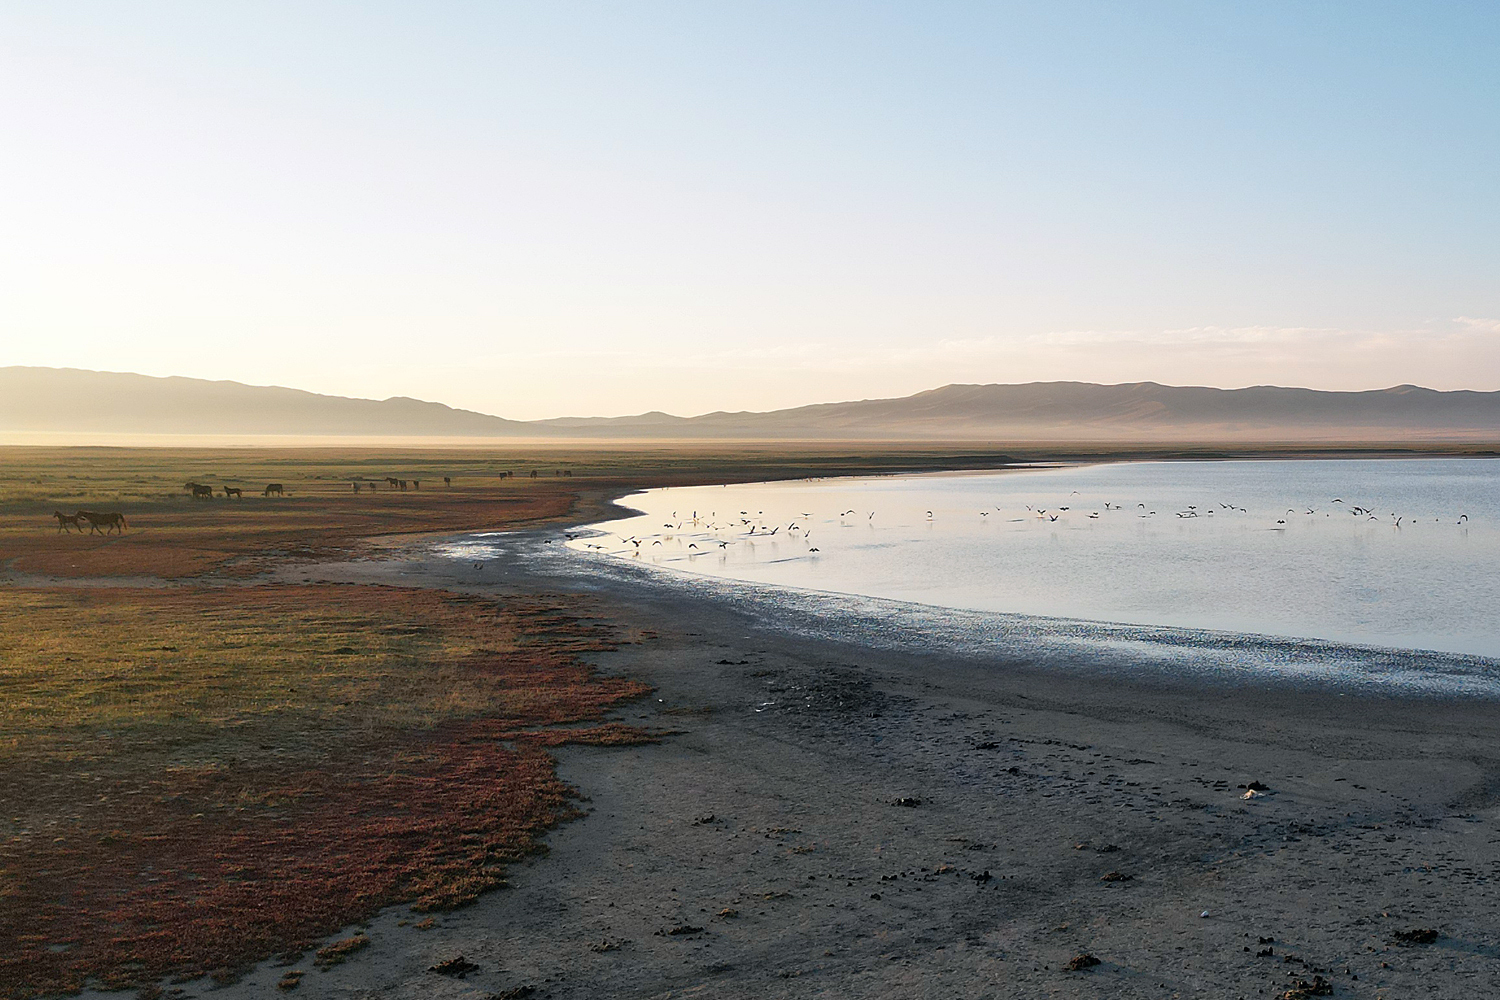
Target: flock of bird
{"points": [[716, 533]]}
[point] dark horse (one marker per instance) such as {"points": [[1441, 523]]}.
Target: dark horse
{"points": [[111, 521], [231, 491], [275, 488], [206, 492]]}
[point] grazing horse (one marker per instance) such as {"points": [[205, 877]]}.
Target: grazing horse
{"points": [[233, 491], [275, 488], [448, 482], [63, 520], [111, 521], [206, 492]]}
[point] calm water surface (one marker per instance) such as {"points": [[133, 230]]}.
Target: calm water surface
{"points": [[1263, 547]]}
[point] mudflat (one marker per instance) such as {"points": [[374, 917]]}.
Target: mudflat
{"points": [[825, 818]]}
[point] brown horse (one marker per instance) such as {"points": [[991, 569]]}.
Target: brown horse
{"points": [[200, 491], [231, 491], [64, 520], [111, 521], [275, 488]]}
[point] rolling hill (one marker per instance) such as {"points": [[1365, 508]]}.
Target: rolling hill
{"points": [[73, 400], [76, 401]]}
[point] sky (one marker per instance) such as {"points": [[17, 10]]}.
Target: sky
{"points": [[556, 208]]}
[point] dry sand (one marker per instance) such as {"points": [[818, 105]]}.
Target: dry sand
{"points": [[836, 820]]}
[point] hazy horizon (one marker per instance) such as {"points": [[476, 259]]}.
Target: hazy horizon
{"points": [[584, 210], [63, 406], [812, 402]]}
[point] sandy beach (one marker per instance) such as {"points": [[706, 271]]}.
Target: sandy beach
{"points": [[830, 819]]}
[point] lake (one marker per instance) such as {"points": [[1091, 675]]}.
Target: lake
{"points": [[1401, 553]]}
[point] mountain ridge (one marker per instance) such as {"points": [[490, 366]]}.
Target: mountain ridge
{"points": [[84, 401]]}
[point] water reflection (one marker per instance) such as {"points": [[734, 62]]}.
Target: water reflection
{"points": [[1390, 552]]}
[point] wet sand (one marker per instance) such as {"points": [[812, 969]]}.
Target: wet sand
{"points": [[832, 819]]}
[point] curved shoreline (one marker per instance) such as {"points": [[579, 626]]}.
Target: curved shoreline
{"points": [[1140, 653], [1361, 591], [1052, 812]]}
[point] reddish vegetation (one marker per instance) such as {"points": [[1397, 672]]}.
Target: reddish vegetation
{"points": [[169, 855]]}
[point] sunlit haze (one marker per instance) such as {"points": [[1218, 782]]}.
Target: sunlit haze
{"points": [[555, 209]]}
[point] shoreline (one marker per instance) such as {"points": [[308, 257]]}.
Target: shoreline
{"points": [[1136, 653], [832, 817]]}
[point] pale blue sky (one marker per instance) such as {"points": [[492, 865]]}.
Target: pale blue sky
{"points": [[548, 208]]}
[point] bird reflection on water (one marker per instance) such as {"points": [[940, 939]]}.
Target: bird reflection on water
{"points": [[1304, 560]]}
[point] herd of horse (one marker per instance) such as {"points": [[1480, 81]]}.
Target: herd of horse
{"points": [[201, 492], [114, 521]]}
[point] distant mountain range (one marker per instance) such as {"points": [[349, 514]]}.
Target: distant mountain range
{"points": [[70, 399], [75, 401]]}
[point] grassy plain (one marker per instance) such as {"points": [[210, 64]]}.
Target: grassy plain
{"points": [[201, 768]]}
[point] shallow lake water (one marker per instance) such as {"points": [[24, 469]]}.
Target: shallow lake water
{"points": [[1400, 553]]}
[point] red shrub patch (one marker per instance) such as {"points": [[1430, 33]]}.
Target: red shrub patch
{"points": [[194, 837]]}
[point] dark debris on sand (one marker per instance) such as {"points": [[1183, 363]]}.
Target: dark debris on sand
{"points": [[1302, 988], [681, 930], [514, 993], [457, 966]]}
